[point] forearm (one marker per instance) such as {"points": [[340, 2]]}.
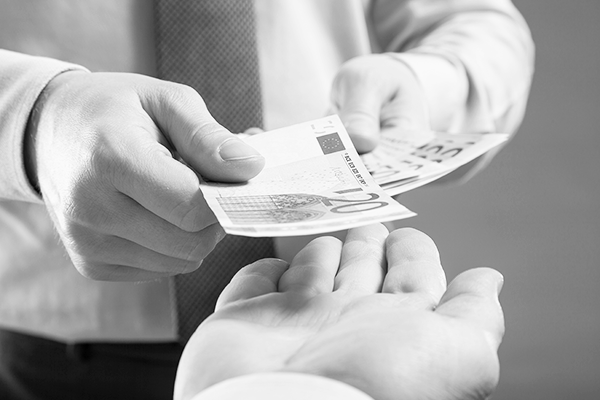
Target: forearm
{"points": [[22, 79], [473, 58]]}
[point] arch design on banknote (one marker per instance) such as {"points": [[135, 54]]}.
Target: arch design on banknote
{"points": [[271, 209]]}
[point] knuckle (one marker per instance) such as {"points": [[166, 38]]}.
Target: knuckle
{"points": [[198, 247], [183, 96], [108, 162], [75, 239], [361, 67], [186, 91], [189, 218], [71, 211], [206, 135], [80, 201], [90, 270], [190, 215], [189, 266], [88, 248], [368, 74], [78, 210]]}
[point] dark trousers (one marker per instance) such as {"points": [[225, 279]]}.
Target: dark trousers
{"points": [[32, 368]]}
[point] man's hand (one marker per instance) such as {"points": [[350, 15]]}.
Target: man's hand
{"points": [[375, 93], [104, 151], [391, 329]]}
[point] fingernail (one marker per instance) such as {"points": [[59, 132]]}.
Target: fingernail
{"points": [[235, 150]]}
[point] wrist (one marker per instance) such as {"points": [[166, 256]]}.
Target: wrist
{"points": [[32, 129]]}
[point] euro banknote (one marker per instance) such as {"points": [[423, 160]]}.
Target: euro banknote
{"points": [[313, 182], [405, 162]]}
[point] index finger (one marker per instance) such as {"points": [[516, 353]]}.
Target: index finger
{"points": [[147, 173], [414, 267]]}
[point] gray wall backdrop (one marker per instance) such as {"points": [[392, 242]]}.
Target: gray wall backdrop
{"points": [[534, 214]]}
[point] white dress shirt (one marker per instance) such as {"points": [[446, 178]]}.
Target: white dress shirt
{"points": [[474, 59]]}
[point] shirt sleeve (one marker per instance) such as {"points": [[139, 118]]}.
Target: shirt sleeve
{"points": [[473, 58], [22, 79], [281, 385]]}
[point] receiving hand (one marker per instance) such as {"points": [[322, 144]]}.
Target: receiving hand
{"points": [[389, 328], [104, 153], [377, 93]]}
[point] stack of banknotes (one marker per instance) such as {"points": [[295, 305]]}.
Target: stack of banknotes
{"points": [[314, 181]]}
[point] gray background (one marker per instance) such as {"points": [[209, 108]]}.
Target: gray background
{"points": [[534, 214]]}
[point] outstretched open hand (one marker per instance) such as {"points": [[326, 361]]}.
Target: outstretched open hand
{"points": [[373, 312]]}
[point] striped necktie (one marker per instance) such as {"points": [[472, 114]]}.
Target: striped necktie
{"points": [[210, 45]]}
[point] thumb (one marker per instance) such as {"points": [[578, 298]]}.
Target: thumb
{"points": [[205, 145], [358, 106], [473, 297], [376, 93]]}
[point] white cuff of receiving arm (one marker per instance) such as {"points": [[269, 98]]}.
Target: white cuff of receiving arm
{"points": [[281, 385]]}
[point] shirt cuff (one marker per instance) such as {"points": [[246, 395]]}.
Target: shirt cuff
{"points": [[22, 80], [281, 385]]}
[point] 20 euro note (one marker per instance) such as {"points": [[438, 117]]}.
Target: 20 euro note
{"points": [[313, 182], [403, 163]]}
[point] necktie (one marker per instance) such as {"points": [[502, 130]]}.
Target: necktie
{"points": [[210, 45]]}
